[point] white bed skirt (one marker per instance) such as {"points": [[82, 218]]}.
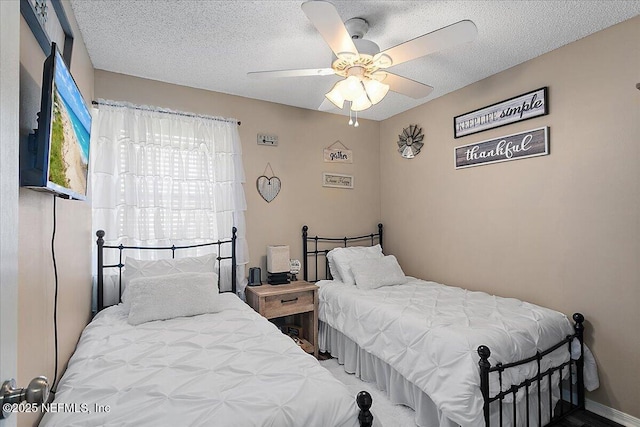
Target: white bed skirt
{"points": [[370, 368]]}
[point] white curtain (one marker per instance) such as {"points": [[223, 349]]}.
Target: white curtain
{"points": [[166, 178]]}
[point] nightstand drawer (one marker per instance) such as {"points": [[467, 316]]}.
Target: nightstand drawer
{"points": [[286, 304]]}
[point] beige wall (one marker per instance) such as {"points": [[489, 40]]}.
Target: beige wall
{"points": [[72, 242], [297, 161], [561, 230]]}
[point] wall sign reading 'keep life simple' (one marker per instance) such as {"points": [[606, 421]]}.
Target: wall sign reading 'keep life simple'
{"points": [[516, 109], [531, 143]]}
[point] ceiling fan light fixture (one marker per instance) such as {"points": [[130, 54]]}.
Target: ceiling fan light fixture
{"points": [[362, 92], [351, 88], [335, 96], [362, 103], [376, 91]]}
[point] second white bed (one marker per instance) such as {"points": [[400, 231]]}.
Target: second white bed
{"points": [[419, 340]]}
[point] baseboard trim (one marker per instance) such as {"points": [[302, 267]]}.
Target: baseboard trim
{"points": [[612, 414]]}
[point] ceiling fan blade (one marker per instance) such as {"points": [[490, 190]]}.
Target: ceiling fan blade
{"points": [[324, 16], [444, 38], [291, 73], [404, 85]]}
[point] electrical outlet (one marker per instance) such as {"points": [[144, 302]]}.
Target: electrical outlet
{"points": [[271, 140]]}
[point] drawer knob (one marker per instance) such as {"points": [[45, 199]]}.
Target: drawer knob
{"points": [[285, 301]]}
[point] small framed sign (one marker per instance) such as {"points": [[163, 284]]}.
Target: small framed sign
{"points": [[337, 180], [516, 109], [335, 154], [531, 143]]}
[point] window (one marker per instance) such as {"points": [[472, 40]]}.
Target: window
{"points": [[163, 178]]}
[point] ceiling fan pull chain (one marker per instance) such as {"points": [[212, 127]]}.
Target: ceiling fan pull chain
{"points": [[350, 119], [356, 124]]}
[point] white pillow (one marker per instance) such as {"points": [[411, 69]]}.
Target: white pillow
{"points": [[372, 273], [335, 274], [170, 296], [136, 268], [342, 257]]}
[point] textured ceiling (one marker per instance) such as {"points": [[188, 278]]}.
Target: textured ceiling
{"points": [[213, 44]]}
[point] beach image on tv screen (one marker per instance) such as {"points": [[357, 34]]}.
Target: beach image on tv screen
{"points": [[70, 129]]}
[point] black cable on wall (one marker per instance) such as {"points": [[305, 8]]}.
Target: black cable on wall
{"points": [[55, 299]]}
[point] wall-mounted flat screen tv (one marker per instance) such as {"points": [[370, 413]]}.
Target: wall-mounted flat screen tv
{"points": [[58, 151]]}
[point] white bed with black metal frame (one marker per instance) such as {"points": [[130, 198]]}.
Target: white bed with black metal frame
{"points": [[226, 367], [429, 346]]}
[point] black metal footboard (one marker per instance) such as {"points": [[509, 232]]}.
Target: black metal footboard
{"points": [[563, 408]]}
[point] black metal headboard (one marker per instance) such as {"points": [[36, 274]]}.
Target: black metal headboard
{"points": [[322, 246], [172, 248]]}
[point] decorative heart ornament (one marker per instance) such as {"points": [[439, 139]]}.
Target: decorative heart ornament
{"points": [[268, 187]]}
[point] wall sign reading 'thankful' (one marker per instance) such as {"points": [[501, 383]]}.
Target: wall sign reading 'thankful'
{"points": [[531, 143], [516, 109]]}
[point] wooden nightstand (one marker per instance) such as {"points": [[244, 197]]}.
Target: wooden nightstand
{"points": [[295, 298]]}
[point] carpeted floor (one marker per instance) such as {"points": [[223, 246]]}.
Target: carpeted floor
{"points": [[385, 413]]}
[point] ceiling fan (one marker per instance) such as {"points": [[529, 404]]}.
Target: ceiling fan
{"points": [[364, 68]]}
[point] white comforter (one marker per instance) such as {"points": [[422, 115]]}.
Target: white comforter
{"points": [[232, 368], [430, 334]]}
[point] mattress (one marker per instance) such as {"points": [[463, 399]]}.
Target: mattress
{"points": [[232, 368], [429, 333]]}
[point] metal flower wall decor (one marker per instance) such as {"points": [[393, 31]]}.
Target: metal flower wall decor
{"points": [[41, 7], [410, 141]]}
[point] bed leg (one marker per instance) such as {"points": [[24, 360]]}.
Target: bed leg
{"points": [[579, 328], [485, 365], [364, 401]]}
